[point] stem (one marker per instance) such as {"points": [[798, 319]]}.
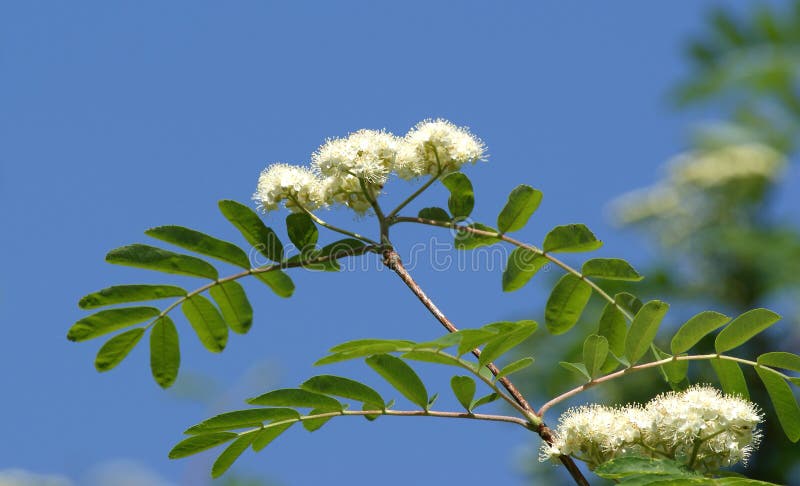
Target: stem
{"points": [[331, 227], [406, 413], [373, 201], [644, 366], [392, 260], [413, 196], [500, 236]]}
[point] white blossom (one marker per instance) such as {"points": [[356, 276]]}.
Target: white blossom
{"points": [[290, 184], [437, 146], [712, 168], [699, 427]]}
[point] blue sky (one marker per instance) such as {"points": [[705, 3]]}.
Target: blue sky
{"points": [[118, 116]]}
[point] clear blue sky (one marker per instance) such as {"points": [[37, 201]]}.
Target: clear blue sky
{"points": [[117, 116]]}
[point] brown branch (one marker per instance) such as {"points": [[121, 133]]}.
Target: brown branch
{"points": [[392, 260]]}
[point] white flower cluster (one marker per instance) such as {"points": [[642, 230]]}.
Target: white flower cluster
{"points": [[353, 170], [698, 427]]}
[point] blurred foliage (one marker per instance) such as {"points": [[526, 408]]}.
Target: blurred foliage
{"points": [[711, 216]]}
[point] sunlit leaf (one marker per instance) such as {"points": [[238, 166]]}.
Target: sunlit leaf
{"points": [[515, 366], [123, 294], [611, 269], [201, 243], [165, 353], [199, 443], [296, 397], [253, 229], [730, 377], [464, 390], [107, 321], [522, 202], [522, 265], [232, 301], [643, 329], [400, 376], [231, 453], [206, 322], [783, 401], [462, 196], [117, 348], [571, 238], [696, 329], [595, 351], [566, 303], [152, 258], [435, 214], [302, 231], [780, 359], [744, 327], [344, 387]]}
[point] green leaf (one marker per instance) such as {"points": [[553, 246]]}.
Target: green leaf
{"points": [[231, 453], [675, 371], [595, 351], [400, 376], [466, 240], [296, 397], [643, 329], [566, 304], [347, 246], [200, 443], [517, 365], [629, 302], [314, 424], [165, 353], [472, 338], [206, 322], [696, 329], [780, 359], [462, 197], [302, 231], [117, 348], [614, 328], [201, 243], [743, 328], [783, 401], [571, 238], [431, 356], [232, 301], [505, 341], [435, 214], [483, 401], [622, 467], [278, 281], [360, 344], [152, 258], [123, 294], [253, 229], [464, 390], [730, 377], [522, 265], [269, 433], [241, 419], [107, 321], [344, 387], [522, 202], [611, 269], [579, 368]]}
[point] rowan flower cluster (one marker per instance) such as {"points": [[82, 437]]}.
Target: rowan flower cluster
{"points": [[699, 427], [353, 170]]}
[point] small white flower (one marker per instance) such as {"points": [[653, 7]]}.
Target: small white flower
{"points": [[712, 168], [437, 146], [290, 184], [699, 427]]}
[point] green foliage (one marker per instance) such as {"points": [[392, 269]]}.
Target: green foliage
{"points": [[515, 366], [522, 203], [206, 322], [201, 243], [611, 269], [595, 351], [123, 294], [296, 397], [522, 265], [731, 377], [464, 390], [508, 338], [744, 327], [783, 401], [253, 229], [165, 354], [780, 359], [566, 303], [462, 196], [570, 238], [117, 348], [346, 388], [643, 329], [691, 332], [401, 376], [465, 240], [435, 214], [200, 443], [303, 233], [232, 301], [152, 258], [107, 321]]}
